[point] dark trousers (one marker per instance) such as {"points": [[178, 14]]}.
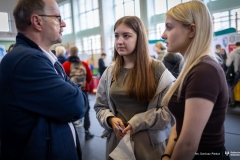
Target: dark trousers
{"points": [[86, 123], [231, 87]]}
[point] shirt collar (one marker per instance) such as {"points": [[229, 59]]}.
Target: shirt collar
{"points": [[50, 56]]}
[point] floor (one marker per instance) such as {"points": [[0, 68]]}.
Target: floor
{"points": [[94, 149]]}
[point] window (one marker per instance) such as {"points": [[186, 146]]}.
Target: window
{"points": [[4, 23], [65, 10], [221, 20], [226, 19], [88, 14], [161, 6], [126, 8], [233, 17], [157, 32], [160, 30], [90, 44]]}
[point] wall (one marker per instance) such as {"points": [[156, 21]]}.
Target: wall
{"points": [[106, 22], [6, 43], [69, 38], [213, 6], [221, 5]]}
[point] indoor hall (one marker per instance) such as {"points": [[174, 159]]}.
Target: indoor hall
{"points": [[89, 26]]}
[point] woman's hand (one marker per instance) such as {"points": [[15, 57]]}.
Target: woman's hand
{"points": [[165, 158], [114, 121], [129, 127]]}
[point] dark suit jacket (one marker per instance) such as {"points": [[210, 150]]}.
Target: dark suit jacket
{"points": [[101, 66], [36, 105]]}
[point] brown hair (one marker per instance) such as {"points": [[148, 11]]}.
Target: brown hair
{"points": [[10, 47], [218, 46], [73, 51], [23, 11], [103, 54], [140, 81]]}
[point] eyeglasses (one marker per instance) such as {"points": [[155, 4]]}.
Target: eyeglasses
{"points": [[58, 17]]}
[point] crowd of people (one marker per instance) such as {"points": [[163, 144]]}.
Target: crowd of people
{"points": [[171, 106]]}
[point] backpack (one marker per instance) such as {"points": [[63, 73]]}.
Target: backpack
{"points": [[230, 74], [78, 74]]}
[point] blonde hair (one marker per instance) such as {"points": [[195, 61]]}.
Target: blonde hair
{"points": [[160, 45], [193, 12], [140, 81], [60, 51]]}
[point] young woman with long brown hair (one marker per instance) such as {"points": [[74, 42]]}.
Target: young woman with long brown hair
{"points": [[130, 93]]}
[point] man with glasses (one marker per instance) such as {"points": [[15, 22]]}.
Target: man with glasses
{"points": [[38, 101]]}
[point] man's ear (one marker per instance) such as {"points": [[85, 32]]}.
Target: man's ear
{"points": [[36, 22], [192, 30]]}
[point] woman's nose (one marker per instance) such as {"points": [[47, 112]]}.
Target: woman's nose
{"points": [[163, 35], [119, 40]]}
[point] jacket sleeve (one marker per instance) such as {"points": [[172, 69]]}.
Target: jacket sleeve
{"points": [[156, 118], [101, 105], [39, 89], [101, 64], [229, 59]]}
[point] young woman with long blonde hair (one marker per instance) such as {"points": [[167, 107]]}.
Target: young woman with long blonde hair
{"points": [[199, 97]]}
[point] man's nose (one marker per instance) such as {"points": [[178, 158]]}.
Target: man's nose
{"points": [[63, 24]]}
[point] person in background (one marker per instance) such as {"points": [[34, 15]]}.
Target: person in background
{"points": [[10, 48], [101, 64], [172, 62], [153, 56], [80, 73], [234, 58], [220, 56], [38, 102], [159, 48], [90, 65], [198, 99], [130, 92], [60, 53], [218, 49], [2, 52], [224, 54]]}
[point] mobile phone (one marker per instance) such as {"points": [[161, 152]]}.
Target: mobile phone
{"points": [[120, 128]]}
